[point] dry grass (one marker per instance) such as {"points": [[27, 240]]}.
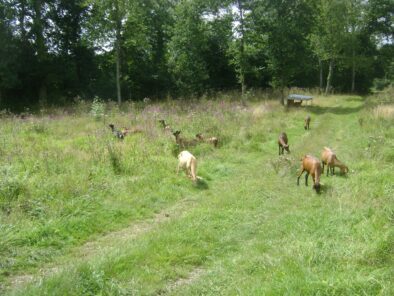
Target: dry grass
{"points": [[384, 111]]}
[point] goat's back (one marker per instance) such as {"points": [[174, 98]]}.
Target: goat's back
{"points": [[311, 163]]}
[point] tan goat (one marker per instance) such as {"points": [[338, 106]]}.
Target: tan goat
{"points": [[330, 159]]}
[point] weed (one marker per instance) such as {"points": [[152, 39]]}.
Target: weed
{"points": [[97, 109]]}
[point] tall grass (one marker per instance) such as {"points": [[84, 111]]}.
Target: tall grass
{"points": [[247, 229]]}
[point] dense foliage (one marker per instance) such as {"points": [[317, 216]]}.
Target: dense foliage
{"points": [[55, 50]]}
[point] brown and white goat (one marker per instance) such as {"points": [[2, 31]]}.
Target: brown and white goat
{"points": [[307, 122], [212, 140], [183, 143], [283, 143], [189, 163], [330, 159], [118, 134], [311, 165]]}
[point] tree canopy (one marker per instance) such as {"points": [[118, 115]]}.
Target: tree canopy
{"points": [[55, 50]]}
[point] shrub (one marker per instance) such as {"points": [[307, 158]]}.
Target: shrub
{"points": [[97, 109]]}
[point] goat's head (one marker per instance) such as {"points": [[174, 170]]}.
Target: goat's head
{"points": [[199, 136], [176, 133], [287, 147], [344, 169], [111, 126], [317, 187]]}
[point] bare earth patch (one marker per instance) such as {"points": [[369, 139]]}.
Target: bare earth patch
{"points": [[192, 277], [103, 245]]}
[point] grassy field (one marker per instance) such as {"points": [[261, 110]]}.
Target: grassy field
{"points": [[82, 213]]}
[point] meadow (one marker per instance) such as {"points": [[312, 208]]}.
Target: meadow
{"points": [[82, 213]]}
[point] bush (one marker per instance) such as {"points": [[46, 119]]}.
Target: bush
{"points": [[97, 109], [380, 84]]}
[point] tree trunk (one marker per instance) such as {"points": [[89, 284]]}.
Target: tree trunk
{"points": [[353, 72], [22, 16], [282, 96], [38, 30], [320, 76], [118, 89], [42, 95], [118, 51], [242, 49], [329, 77]]}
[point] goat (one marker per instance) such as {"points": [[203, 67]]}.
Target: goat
{"points": [[189, 163], [211, 140], [312, 166], [166, 126], [125, 131], [307, 122], [183, 143], [116, 132], [330, 159], [282, 143]]}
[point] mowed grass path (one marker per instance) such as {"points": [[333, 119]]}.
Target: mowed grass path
{"points": [[247, 228]]}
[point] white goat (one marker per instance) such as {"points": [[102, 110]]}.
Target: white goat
{"points": [[189, 163]]}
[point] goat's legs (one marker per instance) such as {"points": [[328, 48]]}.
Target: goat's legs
{"points": [[177, 169], [299, 175], [306, 179]]}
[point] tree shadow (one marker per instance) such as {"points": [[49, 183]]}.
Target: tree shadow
{"points": [[333, 110]]}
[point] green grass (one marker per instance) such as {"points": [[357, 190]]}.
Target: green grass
{"points": [[84, 214]]}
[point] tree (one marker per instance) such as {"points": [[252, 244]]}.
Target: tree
{"points": [[8, 52], [186, 49], [329, 34], [285, 25], [355, 27], [380, 19], [107, 28]]}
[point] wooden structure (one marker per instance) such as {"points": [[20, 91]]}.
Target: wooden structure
{"points": [[296, 100]]}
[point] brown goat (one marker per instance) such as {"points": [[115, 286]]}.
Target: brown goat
{"points": [[135, 130], [307, 122], [282, 143], [212, 140], [183, 143], [330, 159], [312, 166]]}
